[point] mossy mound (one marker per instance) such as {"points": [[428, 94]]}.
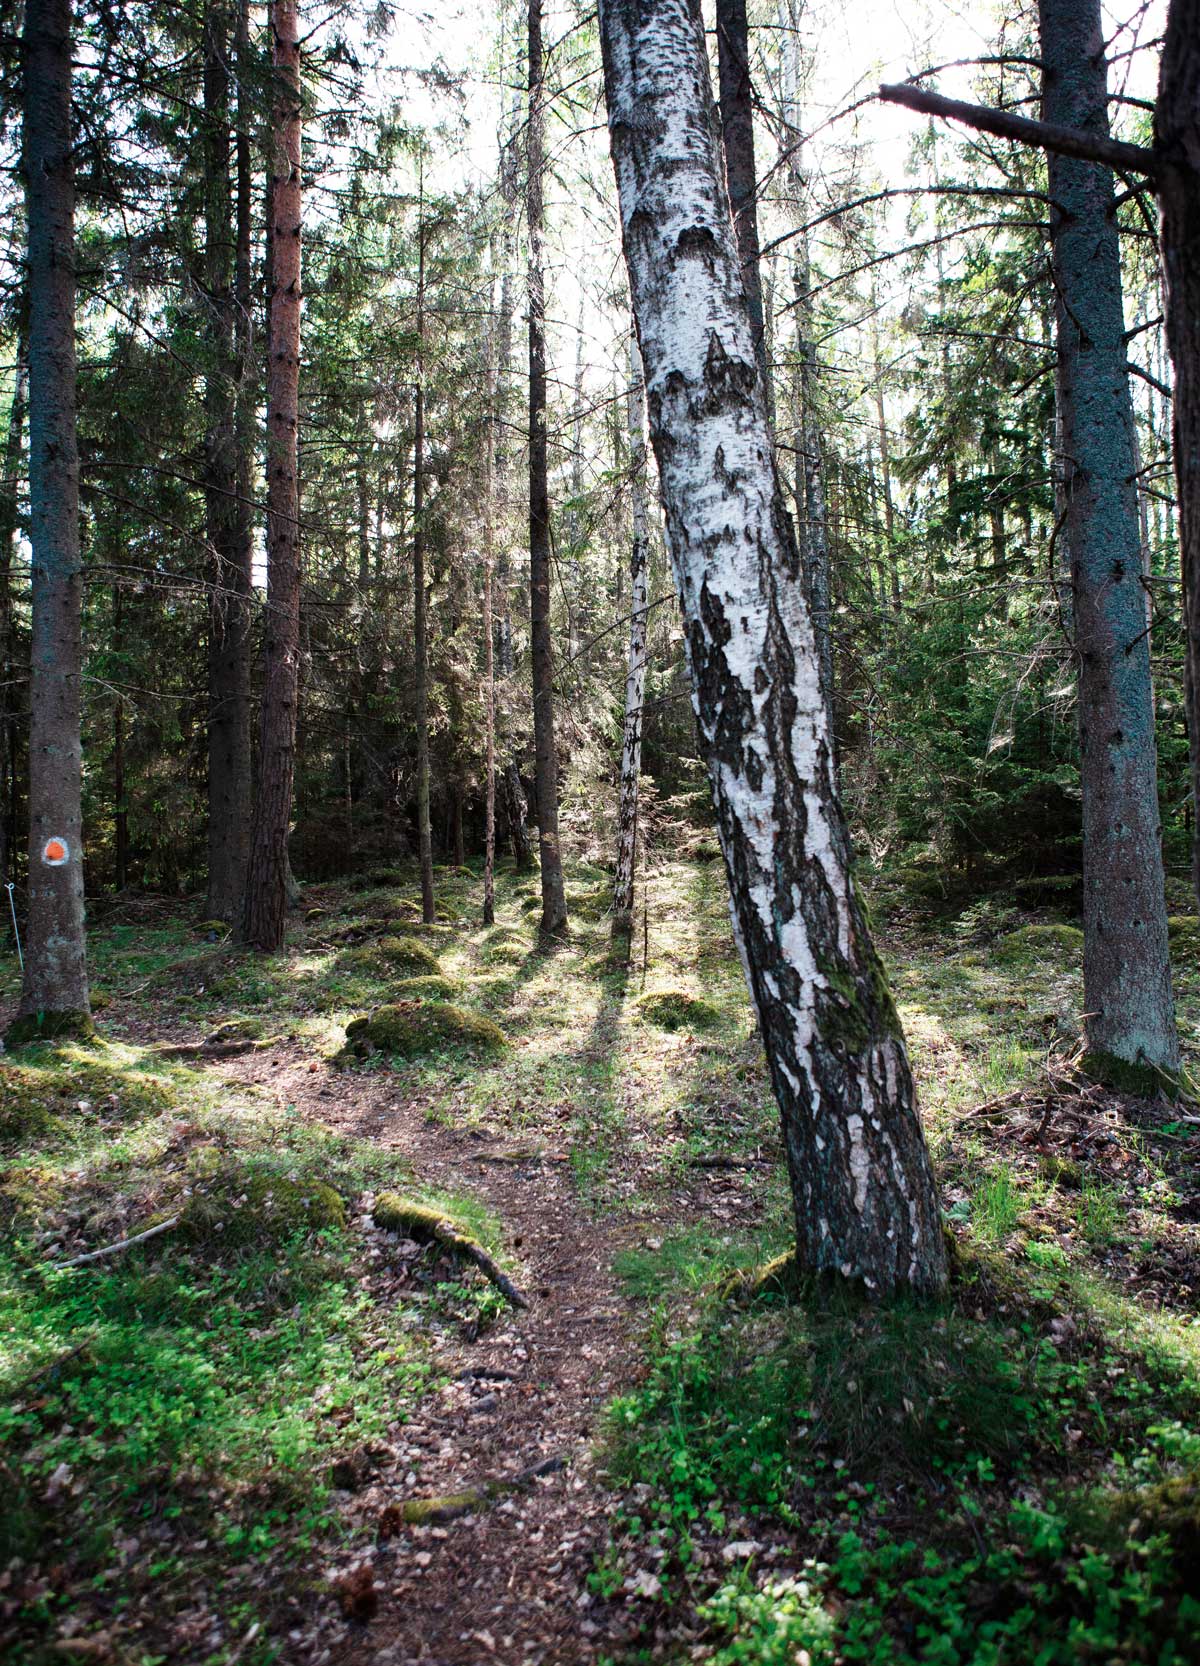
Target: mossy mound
{"points": [[255, 1211], [311, 914], [411, 1029], [236, 1029], [49, 1026], [1056, 942], [427, 989], [415, 1220], [397, 954], [39, 1102], [531, 905], [675, 1009], [1060, 892], [508, 951], [1168, 1510], [590, 905], [1183, 934]]}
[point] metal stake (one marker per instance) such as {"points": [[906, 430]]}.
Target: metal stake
{"points": [[10, 888]]}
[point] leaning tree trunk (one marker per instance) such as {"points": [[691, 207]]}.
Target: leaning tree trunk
{"points": [[225, 517], [1177, 142], [554, 900], [866, 1206], [635, 677], [1130, 1014], [265, 910], [54, 992]]}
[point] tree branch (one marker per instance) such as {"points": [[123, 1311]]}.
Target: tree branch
{"points": [[1065, 141]]}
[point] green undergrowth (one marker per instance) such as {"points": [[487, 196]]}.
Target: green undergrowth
{"points": [[966, 1481], [174, 1418]]}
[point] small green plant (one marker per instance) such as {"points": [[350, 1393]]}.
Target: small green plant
{"points": [[1099, 1213], [996, 1206]]}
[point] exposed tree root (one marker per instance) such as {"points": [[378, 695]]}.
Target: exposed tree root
{"points": [[397, 1214]]}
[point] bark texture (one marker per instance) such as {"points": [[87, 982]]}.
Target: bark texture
{"points": [[420, 622], [635, 676], [865, 1202], [10, 525], [1126, 970], [54, 993], [265, 911], [1177, 146], [737, 128], [554, 900], [226, 519]]}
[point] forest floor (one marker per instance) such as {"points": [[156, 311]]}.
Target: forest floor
{"points": [[280, 1431]]}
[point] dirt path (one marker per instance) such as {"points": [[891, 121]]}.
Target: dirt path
{"points": [[507, 1583]]}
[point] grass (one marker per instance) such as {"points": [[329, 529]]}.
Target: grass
{"points": [[957, 1483]]}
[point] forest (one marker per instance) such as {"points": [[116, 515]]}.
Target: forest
{"points": [[600, 824]]}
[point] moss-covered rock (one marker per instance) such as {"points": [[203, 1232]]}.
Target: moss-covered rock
{"points": [[427, 989], [418, 1221], [411, 1029], [1060, 943], [311, 914], [240, 1210], [236, 1029], [429, 1512], [49, 1026], [675, 1009]]}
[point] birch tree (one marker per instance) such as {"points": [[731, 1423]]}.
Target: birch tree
{"points": [[865, 1202]]}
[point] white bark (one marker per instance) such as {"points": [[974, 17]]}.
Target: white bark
{"points": [[635, 677], [865, 1203]]}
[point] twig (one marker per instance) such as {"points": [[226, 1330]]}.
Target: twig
{"points": [[123, 1244]]}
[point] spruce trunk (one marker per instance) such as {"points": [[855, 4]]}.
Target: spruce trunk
{"points": [[1130, 1014], [1177, 142], [865, 1203], [554, 900], [54, 991], [269, 872], [225, 519]]}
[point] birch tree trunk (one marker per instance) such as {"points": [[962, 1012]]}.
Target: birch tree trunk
{"points": [[226, 519], [554, 900], [1177, 141], [1130, 1013], [265, 911], [635, 677], [865, 1202], [54, 991]]}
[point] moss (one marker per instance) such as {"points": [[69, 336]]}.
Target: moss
{"points": [[397, 954], [409, 1029], [1063, 892], [590, 905], [100, 1000], [44, 1101], [777, 1277], [241, 1211], [1041, 942], [400, 1214], [315, 913], [1136, 1079], [531, 905], [213, 928], [236, 1029], [1061, 1171], [428, 1512], [675, 1009], [504, 953], [427, 989], [1167, 1510], [49, 1026], [1183, 934]]}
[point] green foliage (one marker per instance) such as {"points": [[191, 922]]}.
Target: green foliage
{"points": [[1054, 942]]}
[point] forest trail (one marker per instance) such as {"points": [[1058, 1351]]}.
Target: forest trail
{"points": [[509, 1581]]}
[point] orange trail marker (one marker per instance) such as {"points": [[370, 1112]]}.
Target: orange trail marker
{"points": [[55, 853]]}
